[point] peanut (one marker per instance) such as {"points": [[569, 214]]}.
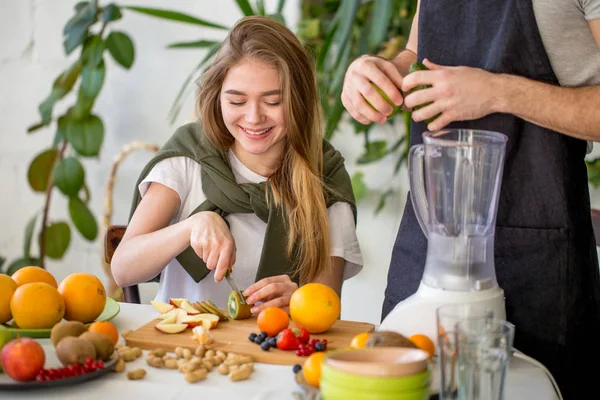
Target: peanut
{"points": [[209, 353], [220, 353], [160, 352], [136, 374], [195, 376], [218, 360], [240, 374], [179, 352], [249, 366], [200, 351], [128, 355], [155, 362], [169, 357], [223, 369], [189, 367], [119, 366], [208, 365], [171, 363], [187, 354]]}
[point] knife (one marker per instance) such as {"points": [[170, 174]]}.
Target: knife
{"points": [[233, 285]]}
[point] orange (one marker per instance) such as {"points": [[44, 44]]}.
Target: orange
{"points": [[105, 328], [33, 274], [272, 320], [37, 305], [360, 341], [315, 307], [312, 368], [84, 296], [7, 288], [424, 343]]}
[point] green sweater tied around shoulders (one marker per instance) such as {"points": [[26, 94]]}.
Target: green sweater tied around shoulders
{"points": [[225, 196]]}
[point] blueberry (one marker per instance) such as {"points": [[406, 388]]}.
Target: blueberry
{"points": [[273, 341], [263, 335], [258, 339], [265, 345], [252, 336], [297, 368], [319, 346]]}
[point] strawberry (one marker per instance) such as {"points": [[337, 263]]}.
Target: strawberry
{"points": [[302, 334], [286, 340]]}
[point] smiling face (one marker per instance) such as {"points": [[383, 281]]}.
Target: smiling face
{"points": [[253, 113]]}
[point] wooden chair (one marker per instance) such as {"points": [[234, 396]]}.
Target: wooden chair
{"points": [[596, 225], [114, 234]]}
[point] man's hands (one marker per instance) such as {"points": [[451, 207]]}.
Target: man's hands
{"points": [[212, 241], [358, 87], [274, 291], [458, 94]]}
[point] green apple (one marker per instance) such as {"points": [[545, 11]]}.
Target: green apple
{"points": [[417, 66], [395, 108]]}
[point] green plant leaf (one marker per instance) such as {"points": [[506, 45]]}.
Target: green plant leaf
{"points": [[382, 199], [260, 7], [324, 52], [58, 237], [380, 20], [593, 168], [280, 5], [76, 29], [40, 168], [45, 108], [111, 13], [335, 114], [175, 16], [93, 48], [69, 176], [83, 219], [2, 261], [61, 128], [80, 5], [196, 44], [245, 7], [375, 151], [28, 236], [92, 79], [21, 263], [121, 48], [86, 135], [36, 127], [83, 107], [85, 13], [358, 186], [61, 86]]}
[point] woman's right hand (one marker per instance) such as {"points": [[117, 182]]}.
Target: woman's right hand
{"points": [[212, 241]]}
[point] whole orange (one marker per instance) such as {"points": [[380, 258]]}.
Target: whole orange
{"points": [[360, 341], [272, 320], [105, 328], [424, 343], [315, 307], [84, 296], [312, 368], [33, 274], [7, 289], [37, 306]]}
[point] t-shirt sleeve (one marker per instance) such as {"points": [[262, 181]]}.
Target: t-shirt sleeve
{"points": [[170, 172], [591, 9], [344, 242]]}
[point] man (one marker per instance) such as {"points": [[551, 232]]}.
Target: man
{"points": [[531, 70]]}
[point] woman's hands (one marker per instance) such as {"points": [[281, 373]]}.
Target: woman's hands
{"points": [[274, 291], [212, 241]]}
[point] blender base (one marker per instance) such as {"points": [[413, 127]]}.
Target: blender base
{"points": [[416, 314]]}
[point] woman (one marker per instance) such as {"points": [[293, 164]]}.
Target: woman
{"points": [[252, 187]]}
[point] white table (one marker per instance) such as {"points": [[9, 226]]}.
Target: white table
{"points": [[525, 381]]}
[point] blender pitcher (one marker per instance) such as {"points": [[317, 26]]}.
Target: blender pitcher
{"points": [[455, 178]]}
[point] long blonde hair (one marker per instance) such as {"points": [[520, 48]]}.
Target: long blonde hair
{"points": [[298, 183]]}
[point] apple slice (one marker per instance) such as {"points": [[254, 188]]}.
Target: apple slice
{"points": [[169, 313], [187, 306], [162, 307], [181, 314], [171, 328], [207, 321], [176, 302], [169, 319]]}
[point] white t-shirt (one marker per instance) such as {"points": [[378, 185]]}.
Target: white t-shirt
{"points": [[182, 174]]}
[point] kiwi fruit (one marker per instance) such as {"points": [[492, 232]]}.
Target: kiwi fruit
{"points": [[104, 346], [64, 329], [213, 309], [72, 350], [389, 339], [236, 308]]}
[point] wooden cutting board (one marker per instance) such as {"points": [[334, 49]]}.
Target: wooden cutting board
{"points": [[232, 336]]}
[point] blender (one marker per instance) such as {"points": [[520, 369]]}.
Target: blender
{"points": [[455, 178]]}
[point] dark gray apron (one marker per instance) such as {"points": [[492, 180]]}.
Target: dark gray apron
{"points": [[545, 251]]}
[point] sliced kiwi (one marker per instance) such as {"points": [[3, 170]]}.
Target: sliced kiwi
{"points": [[389, 339], [198, 306], [213, 309], [236, 308]]}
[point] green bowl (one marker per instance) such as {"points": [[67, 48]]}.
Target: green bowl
{"points": [[372, 384], [330, 391]]}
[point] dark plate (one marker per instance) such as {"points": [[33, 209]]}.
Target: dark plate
{"points": [[73, 380]]}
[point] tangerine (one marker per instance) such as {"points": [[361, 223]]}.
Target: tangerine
{"points": [[37, 305], [360, 341], [33, 274], [315, 307], [105, 328], [272, 320], [424, 343], [84, 296], [7, 289], [312, 368]]}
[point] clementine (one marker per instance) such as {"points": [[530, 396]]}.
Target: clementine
{"points": [[37, 305], [424, 343], [7, 289], [312, 368], [272, 320], [105, 328], [33, 274], [315, 307], [360, 341], [84, 296]]}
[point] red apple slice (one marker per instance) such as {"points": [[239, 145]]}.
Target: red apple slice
{"points": [[207, 321], [169, 318], [176, 302], [162, 307], [171, 328], [187, 306]]}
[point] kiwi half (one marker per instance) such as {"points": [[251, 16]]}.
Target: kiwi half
{"points": [[236, 308]]}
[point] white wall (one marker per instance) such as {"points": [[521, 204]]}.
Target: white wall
{"points": [[134, 105]]}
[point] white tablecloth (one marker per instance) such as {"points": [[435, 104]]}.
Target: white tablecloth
{"points": [[525, 381]]}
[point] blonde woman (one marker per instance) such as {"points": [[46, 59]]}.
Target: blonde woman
{"points": [[251, 186]]}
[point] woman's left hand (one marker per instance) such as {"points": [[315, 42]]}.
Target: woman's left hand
{"points": [[274, 291]]}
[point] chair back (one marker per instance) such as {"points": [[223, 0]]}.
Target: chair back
{"points": [[113, 237]]}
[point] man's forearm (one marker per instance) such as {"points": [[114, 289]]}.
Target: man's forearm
{"points": [[403, 60], [572, 111]]}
